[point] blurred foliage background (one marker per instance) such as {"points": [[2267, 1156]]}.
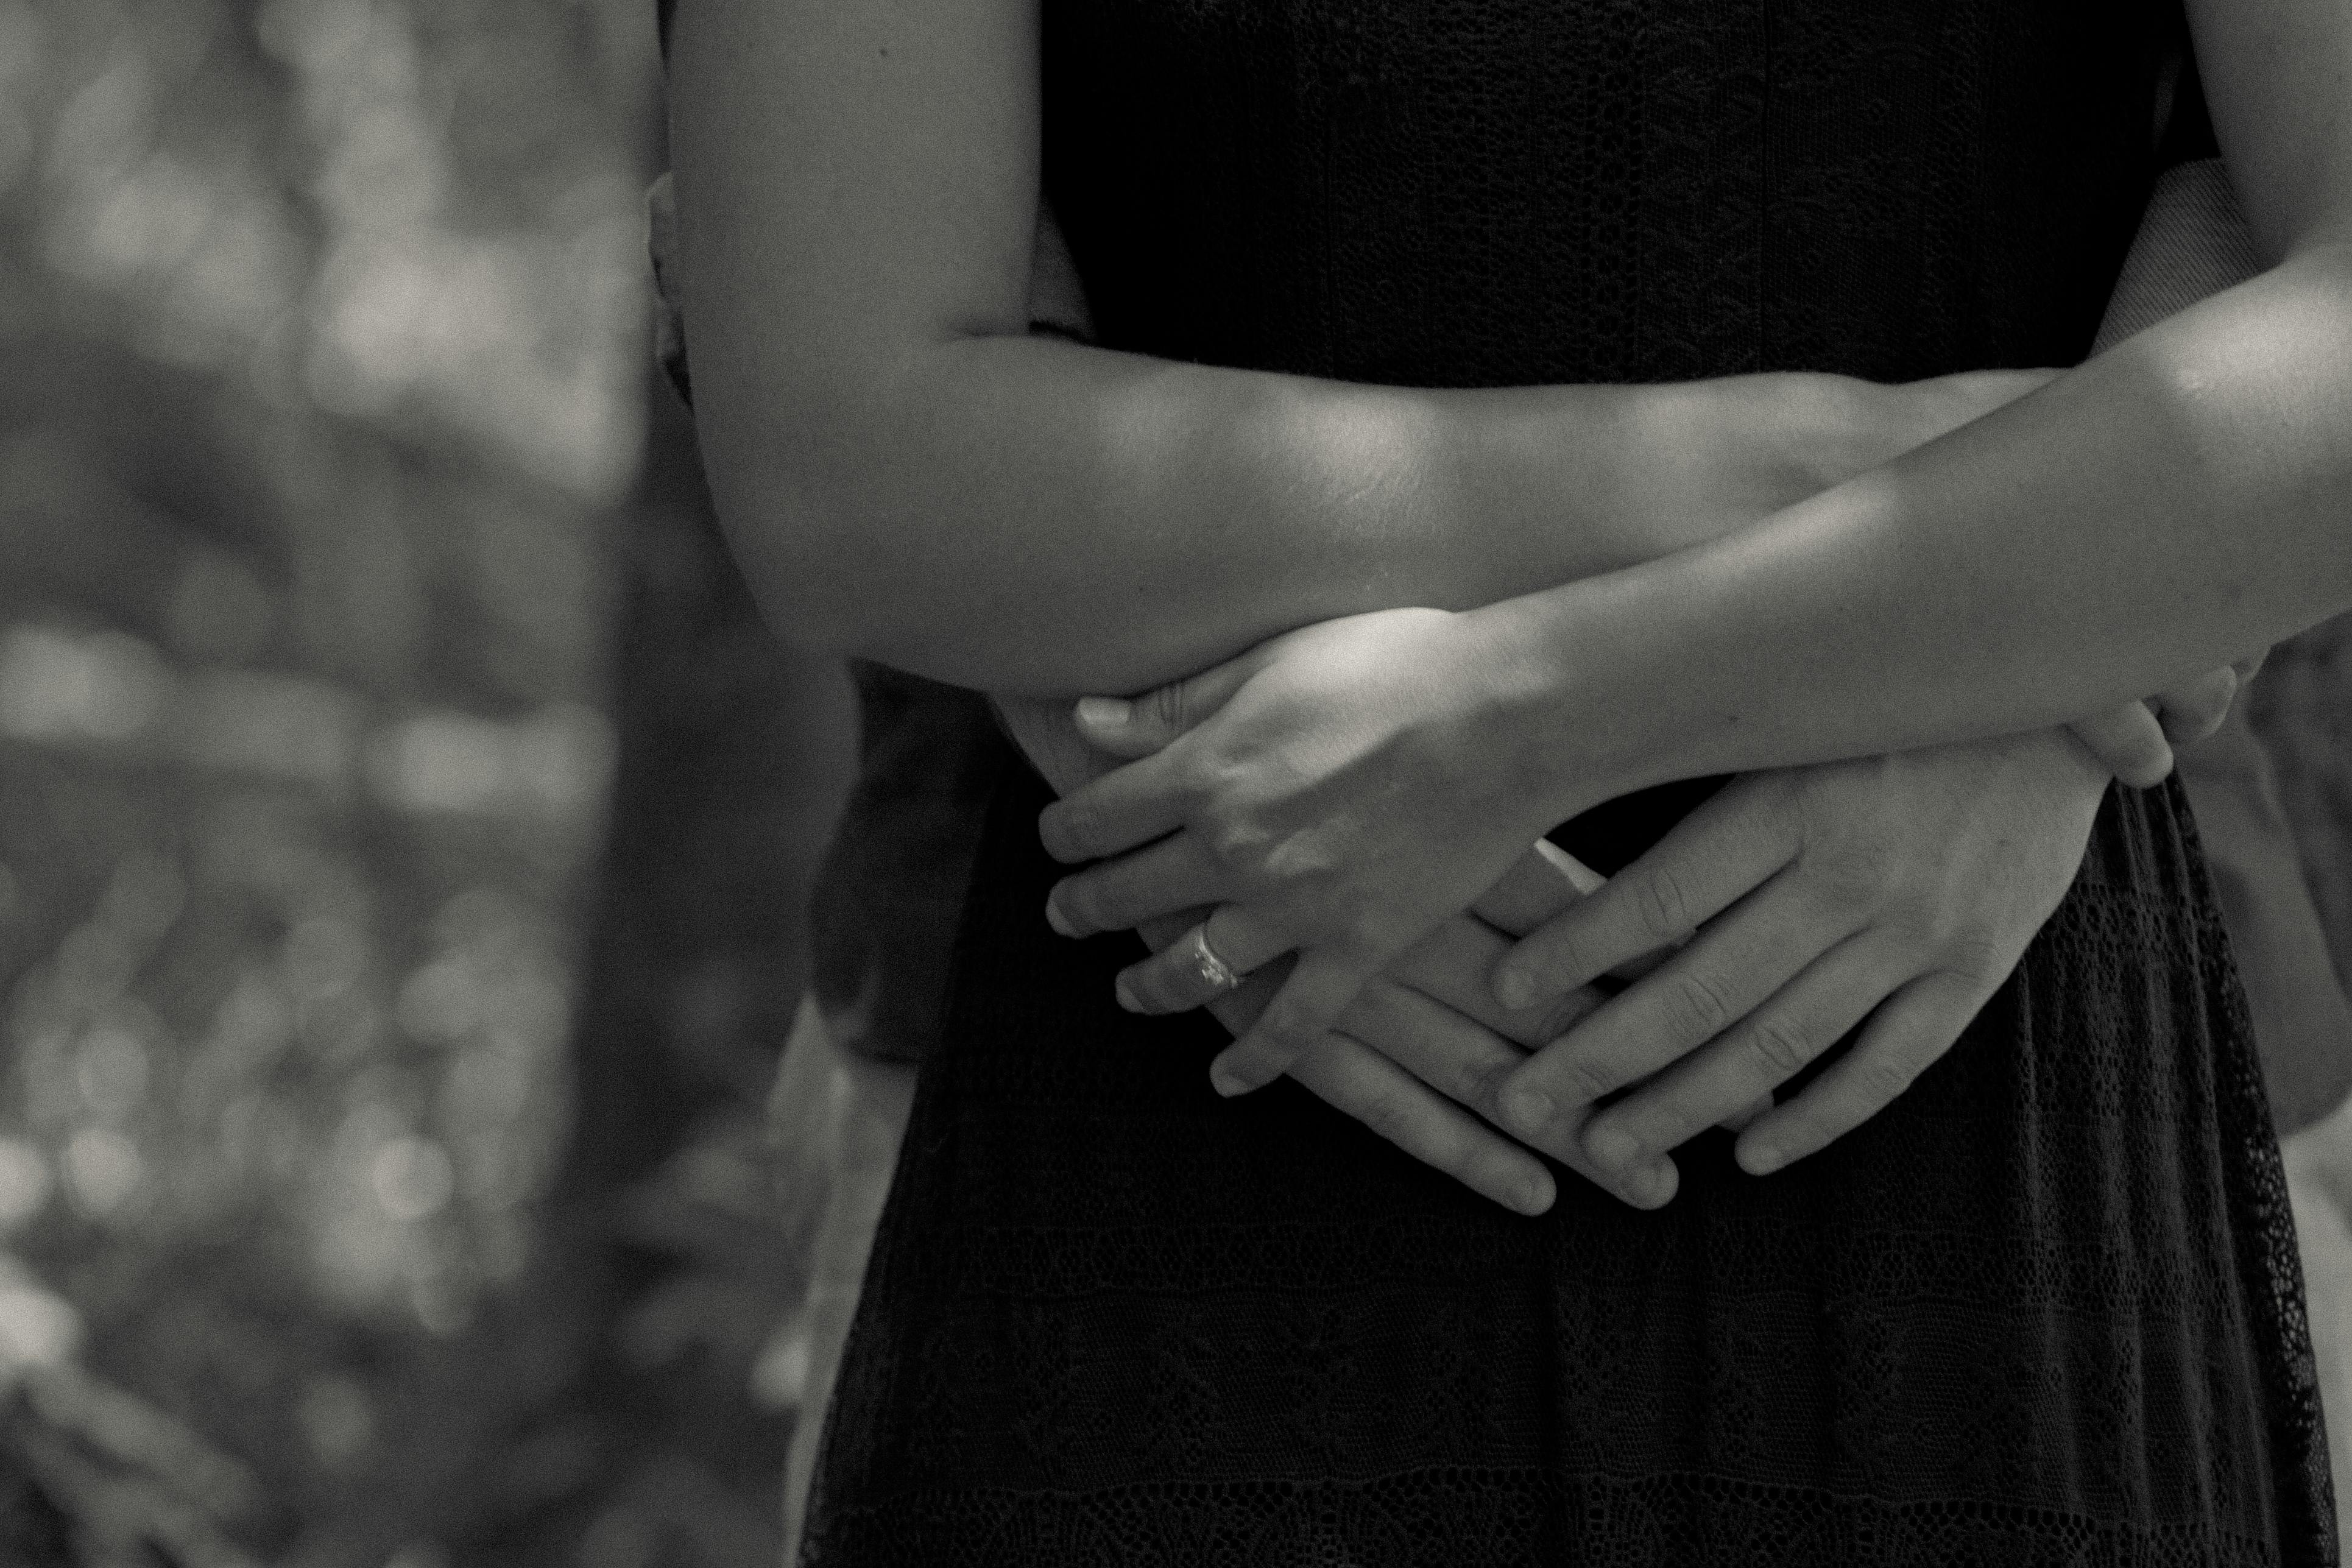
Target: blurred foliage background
{"points": [[366, 1197], [404, 819]]}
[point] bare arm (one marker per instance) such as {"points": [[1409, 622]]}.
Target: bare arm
{"points": [[2177, 502], [907, 475]]}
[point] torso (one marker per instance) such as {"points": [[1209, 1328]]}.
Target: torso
{"points": [[1473, 193]]}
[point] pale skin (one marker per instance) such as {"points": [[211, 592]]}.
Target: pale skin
{"points": [[1426, 1042], [1217, 507], [2172, 504]]}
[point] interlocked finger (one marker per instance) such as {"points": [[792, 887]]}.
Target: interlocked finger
{"points": [[1174, 874], [1122, 810], [1764, 1050], [1541, 885], [1710, 859], [1462, 1060], [1204, 963], [1307, 1007], [1453, 1054], [1742, 959], [2129, 741], [1360, 1082], [1909, 1031], [1451, 966]]}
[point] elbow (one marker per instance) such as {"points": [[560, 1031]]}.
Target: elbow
{"points": [[801, 499], [798, 548]]}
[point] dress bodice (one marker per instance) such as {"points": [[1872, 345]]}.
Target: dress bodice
{"points": [[1510, 192]]}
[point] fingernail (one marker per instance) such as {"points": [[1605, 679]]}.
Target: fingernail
{"points": [[1648, 1185], [1515, 988], [1527, 1110], [1532, 1196], [1611, 1148], [1104, 712], [1054, 918], [1125, 991], [1228, 1082], [1763, 1158]]}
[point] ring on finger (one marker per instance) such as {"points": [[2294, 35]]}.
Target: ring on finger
{"points": [[1215, 974]]}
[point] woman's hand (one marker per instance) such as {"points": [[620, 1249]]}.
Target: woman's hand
{"points": [[1350, 789], [2136, 740], [1417, 1057], [1893, 894]]}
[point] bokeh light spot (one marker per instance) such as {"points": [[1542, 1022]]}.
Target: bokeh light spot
{"points": [[411, 1178], [102, 1170]]}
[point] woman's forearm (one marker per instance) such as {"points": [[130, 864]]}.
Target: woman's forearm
{"points": [[907, 475], [1209, 508], [1035, 515], [2174, 504]]}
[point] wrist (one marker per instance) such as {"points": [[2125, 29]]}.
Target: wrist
{"points": [[1711, 456], [1562, 722]]}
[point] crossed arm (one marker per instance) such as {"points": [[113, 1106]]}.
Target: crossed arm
{"points": [[1421, 1051], [900, 467], [909, 476], [2176, 503]]}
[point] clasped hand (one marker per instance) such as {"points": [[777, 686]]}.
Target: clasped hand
{"points": [[1321, 795], [1341, 800]]}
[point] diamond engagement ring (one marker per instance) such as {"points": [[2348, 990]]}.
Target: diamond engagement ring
{"points": [[1215, 973]]}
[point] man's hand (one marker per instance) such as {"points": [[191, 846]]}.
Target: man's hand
{"points": [[1417, 1057], [1892, 894]]}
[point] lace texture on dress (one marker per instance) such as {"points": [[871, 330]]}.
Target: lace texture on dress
{"points": [[2045, 1309]]}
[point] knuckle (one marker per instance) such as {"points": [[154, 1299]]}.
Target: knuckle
{"points": [[1661, 905], [1883, 1076], [1477, 1084], [1976, 956], [1560, 955], [1166, 708], [1696, 1007], [1779, 1047], [1582, 1082], [1858, 875], [1235, 842]]}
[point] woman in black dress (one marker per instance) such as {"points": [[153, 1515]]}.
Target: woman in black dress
{"points": [[2043, 1308]]}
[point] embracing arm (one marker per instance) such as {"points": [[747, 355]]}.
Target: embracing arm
{"points": [[2179, 501], [907, 475]]}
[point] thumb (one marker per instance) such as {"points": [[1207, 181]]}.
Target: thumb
{"points": [[1137, 727], [2129, 741], [2191, 713]]}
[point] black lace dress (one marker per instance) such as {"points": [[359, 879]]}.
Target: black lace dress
{"points": [[2045, 1310]]}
